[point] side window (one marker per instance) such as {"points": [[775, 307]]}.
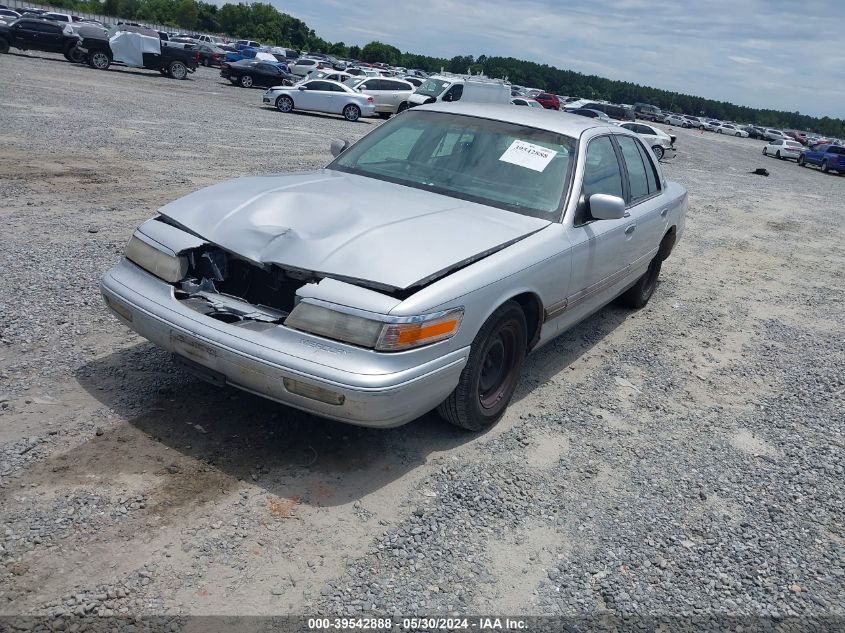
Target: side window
{"points": [[642, 129], [650, 170], [601, 169], [318, 85], [636, 168], [455, 92], [46, 28]]}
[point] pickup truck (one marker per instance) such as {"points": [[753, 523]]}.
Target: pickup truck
{"points": [[139, 47], [826, 157], [40, 35]]}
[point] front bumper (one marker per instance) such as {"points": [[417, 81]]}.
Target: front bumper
{"points": [[377, 389]]}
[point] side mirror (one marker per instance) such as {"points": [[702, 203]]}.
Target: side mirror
{"points": [[339, 146], [302, 87], [447, 97], [606, 207]]}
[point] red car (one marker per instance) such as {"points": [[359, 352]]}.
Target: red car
{"points": [[548, 101]]}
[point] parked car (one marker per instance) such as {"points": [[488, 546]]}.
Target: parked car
{"points": [[694, 121], [774, 135], [525, 101], [319, 95], [305, 65], [138, 47], [238, 44], [412, 273], [646, 111], [613, 111], [783, 149], [827, 157], [40, 35], [416, 82], [660, 142], [210, 39], [249, 73], [331, 75], [9, 15], [729, 128], [548, 101], [677, 119], [755, 132], [593, 114], [390, 95], [449, 88], [210, 55]]}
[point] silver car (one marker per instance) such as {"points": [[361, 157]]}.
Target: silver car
{"points": [[320, 95], [390, 95], [414, 272]]}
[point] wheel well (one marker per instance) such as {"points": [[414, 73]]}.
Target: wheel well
{"points": [[532, 308], [667, 244]]}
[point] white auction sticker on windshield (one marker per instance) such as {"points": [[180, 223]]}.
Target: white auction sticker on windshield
{"points": [[528, 155]]}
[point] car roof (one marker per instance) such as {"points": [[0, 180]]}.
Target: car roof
{"points": [[551, 120]]}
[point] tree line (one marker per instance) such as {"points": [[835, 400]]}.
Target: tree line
{"points": [[264, 23]]}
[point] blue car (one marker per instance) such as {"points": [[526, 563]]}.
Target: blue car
{"points": [[243, 53], [827, 157]]}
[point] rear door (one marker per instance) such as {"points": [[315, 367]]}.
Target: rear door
{"points": [[318, 95], [24, 34]]}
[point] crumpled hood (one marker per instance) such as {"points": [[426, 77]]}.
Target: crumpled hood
{"points": [[347, 226]]}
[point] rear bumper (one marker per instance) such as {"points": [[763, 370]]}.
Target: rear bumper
{"points": [[376, 390]]}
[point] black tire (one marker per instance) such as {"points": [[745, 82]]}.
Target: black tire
{"points": [[284, 104], [658, 151], [778, 156], [402, 107], [801, 161], [719, 130], [73, 54], [177, 70], [638, 295], [764, 152], [245, 81], [4, 46], [824, 167], [99, 60], [492, 371], [351, 112]]}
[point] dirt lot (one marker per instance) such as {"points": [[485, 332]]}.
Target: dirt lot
{"points": [[685, 459]]}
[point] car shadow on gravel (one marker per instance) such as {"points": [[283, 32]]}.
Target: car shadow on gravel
{"points": [[229, 435], [205, 439]]}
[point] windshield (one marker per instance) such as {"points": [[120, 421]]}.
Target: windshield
{"points": [[504, 165], [432, 87]]}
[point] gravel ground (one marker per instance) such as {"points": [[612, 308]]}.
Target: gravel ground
{"points": [[684, 460]]}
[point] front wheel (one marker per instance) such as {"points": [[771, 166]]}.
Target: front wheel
{"points": [[99, 60], [177, 70], [491, 374], [801, 162], [719, 131], [4, 46], [245, 81], [764, 152], [825, 168], [738, 134], [638, 295], [284, 104], [351, 112], [658, 151], [777, 155]]}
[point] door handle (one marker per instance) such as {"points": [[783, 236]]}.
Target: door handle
{"points": [[630, 229], [664, 212]]}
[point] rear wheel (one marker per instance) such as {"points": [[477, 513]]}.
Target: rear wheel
{"points": [[351, 112], [639, 294], [765, 153], [73, 54], [801, 160], [284, 104], [177, 70], [825, 167], [99, 60], [245, 81], [658, 151], [402, 106], [491, 374]]}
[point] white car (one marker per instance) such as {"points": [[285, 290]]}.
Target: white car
{"points": [[727, 128], [775, 135], [319, 95], [390, 95], [329, 75], [660, 142], [302, 66], [677, 119], [783, 149], [525, 101]]}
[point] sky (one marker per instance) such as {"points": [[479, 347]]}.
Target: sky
{"points": [[779, 54]]}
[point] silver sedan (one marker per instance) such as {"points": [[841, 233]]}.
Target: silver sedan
{"points": [[321, 95], [414, 272]]}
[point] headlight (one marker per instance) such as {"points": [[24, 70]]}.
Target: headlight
{"points": [[163, 265], [379, 332]]}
